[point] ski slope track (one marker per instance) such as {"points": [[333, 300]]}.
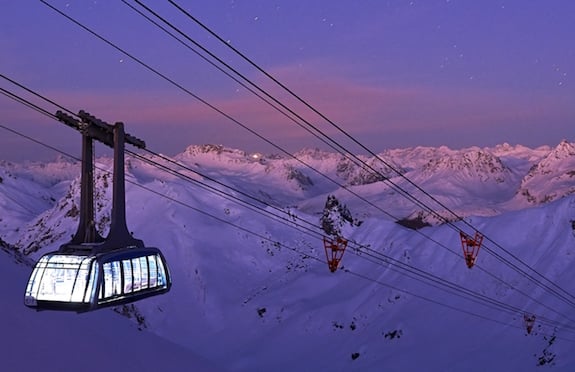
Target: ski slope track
{"points": [[253, 292]]}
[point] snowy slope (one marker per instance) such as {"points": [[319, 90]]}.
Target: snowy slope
{"points": [[51, 341], [254, 293], [29, 190]]}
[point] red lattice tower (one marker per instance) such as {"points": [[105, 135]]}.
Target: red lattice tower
{"points": [[334, 250], [470, 247]]}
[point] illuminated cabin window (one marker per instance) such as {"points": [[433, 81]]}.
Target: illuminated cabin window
{"points": [[162, 275], [127, 267], [112, 285], [144, 270], [136, 275], [64, 278], [153, 269], [127, 276]]}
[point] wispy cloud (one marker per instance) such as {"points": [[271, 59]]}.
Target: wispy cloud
{"points": [[362, 108]]}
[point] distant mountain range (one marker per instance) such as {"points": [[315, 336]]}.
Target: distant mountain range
{"points": [[471, 181]]}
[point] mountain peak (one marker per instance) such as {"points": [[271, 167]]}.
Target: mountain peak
{"points": [[314, 153], [211, 149], [552, 177], [563, 150], [472, 161]]}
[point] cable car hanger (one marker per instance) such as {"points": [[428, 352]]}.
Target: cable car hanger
{"points": [[91, 272]]}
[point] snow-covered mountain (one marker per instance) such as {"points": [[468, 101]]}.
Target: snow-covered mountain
{"points": [[552, 177], [252, 290]]}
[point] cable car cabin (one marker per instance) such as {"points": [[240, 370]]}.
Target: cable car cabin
{"points": [[86, 281], [92, 272]]}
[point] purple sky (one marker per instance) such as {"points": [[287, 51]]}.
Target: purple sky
{"points": [[391, 73]]}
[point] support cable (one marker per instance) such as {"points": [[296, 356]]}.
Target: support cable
{"points": [[550, 286], [493, 304], [53, 103]]}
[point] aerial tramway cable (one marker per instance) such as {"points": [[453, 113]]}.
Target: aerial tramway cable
{"points": [[232, 224], [51, 102], [499, 307], [243, 81], [262, 237], [306, 254], [550, 286], [114, 46]]}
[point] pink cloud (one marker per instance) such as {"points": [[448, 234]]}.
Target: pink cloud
{"points": [[361, 108]]}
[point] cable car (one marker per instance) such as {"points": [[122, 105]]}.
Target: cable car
{"points": [[78, 282], [92, 272]]}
